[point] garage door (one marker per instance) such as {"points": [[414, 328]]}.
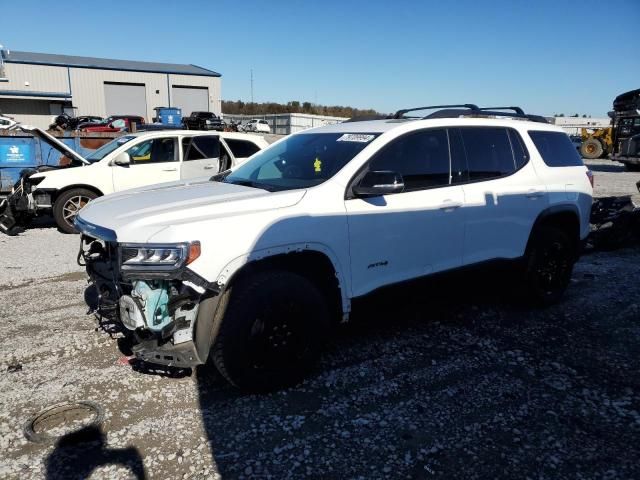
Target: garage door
{"points": [[190, 99], [125, 99]]}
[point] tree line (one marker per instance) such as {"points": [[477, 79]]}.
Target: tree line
{"points": [[253, 108]]}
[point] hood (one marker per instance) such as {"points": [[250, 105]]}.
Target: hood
{"points": [[136, 215], [56, 173], [55, 143]]}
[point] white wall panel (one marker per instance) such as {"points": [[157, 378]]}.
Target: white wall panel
{"points": [[41, 78]]}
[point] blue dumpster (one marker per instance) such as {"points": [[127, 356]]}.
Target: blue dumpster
{"points": [[168, 115]]}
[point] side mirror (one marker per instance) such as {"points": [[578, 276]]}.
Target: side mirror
{"points": [[374, 184], [124, 160]]}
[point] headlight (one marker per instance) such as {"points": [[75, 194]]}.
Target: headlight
{"points": [[158, 257], [35, 180], [32, 183]]}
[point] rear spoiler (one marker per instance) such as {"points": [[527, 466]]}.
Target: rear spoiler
{"points": [[52, 141]]}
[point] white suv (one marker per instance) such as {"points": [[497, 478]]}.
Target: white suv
{"points": [[253, 267], [255, 125], [130, 161]]}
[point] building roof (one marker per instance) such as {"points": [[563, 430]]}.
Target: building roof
{"points": [[104, 63]]}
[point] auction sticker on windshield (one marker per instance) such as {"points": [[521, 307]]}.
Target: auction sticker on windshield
{"points": [[356, 137]]}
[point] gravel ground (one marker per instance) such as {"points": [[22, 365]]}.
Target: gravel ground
{"points": [[41, 251], [611, 179], [458, 382]]}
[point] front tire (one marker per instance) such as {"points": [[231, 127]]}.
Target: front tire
{"points": [[548, 266], [67, 206], [272, 331]]}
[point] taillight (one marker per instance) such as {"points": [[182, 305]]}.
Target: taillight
{"points": [[590, 177]]}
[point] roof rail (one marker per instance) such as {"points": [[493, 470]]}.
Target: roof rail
{"points": [[469, 106], [470, 109], [518, 110]]}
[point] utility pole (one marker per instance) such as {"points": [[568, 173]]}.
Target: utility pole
{"points": [[252, 85]]}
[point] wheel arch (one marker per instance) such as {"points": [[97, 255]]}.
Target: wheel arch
{"points": [[565, 217], [77, 186], [314, 261]]}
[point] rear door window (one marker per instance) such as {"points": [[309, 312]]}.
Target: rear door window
{"points": [[556, 149], [520, 153], [201, 147], [241, 148], [459, 172], [488, 151]]}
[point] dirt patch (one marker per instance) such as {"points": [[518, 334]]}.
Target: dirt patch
{"points": [[68, 277]]}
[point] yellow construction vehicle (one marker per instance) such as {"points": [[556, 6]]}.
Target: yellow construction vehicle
{"points": [[596, 142]]}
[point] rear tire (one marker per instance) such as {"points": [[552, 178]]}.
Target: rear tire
{"points": [[548, 266], [272, 331], [67, 206], [591, 148]]}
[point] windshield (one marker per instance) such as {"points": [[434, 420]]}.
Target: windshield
{"points": [[301, 161], [107, 148]]}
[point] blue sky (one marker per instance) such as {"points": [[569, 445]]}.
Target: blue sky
{"points": [[546, 56]]}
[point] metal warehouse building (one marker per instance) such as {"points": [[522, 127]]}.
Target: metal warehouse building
{"points": [[41, 85]]}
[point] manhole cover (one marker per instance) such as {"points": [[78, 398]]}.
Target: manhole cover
{"points": [[63, 419]]}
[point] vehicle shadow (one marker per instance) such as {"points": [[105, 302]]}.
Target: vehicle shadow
{"points": [[78, 454], [453, 299]]}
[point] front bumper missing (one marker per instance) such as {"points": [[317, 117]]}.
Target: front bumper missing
{"points": [[15, 210], [173, 346], [21, 205], [183, 355]]}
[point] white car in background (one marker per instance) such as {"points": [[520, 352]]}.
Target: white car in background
{"points": [[6, 123], [256, 125], [131, 161]]}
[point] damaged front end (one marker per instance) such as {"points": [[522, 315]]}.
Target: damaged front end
{"points": [[22, 204], [26, 200], [149, 293]]}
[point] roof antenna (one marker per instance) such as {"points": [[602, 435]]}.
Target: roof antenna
{"points": [[3, 77]]}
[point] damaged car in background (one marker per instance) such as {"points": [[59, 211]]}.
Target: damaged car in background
{"points": [[248, 271], [129, 161]]}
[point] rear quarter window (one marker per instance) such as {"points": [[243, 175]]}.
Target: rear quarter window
{"points": [[556, 149]]}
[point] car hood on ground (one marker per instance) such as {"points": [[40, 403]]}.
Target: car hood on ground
{"points": [[135, 215]]}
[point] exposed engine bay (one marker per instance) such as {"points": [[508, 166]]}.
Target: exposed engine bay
{"points": [[24, 201], [157, 312]]}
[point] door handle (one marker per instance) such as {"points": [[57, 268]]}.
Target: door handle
{"points": [[169, 169], [533, 193], [450, 205], [209, 167]]}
